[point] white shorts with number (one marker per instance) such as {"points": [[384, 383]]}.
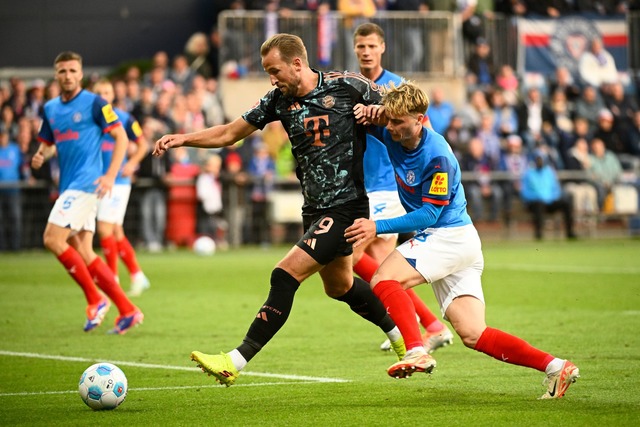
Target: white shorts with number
{"points": [[450, 259], [385, 205], [75, 210], [113, 208]]}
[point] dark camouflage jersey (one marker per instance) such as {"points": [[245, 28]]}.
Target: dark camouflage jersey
{"points": [[326, 142]]}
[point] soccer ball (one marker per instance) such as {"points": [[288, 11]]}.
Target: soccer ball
{"points": [[204, 246], [103, 386]]}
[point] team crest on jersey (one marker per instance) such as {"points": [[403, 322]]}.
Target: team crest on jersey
{"points": [[328, 101], [411, 177], [110, 116], [77, 117], [440, 184]]}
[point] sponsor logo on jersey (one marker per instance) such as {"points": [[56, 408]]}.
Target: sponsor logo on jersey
{"points": [[328, 101], [404, 186], [110, 116], [67, 135], [439, 185]]}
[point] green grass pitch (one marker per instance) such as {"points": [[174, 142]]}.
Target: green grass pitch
{"points": [[577, 300]]}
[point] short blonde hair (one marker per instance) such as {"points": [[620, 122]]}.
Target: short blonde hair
{"points": [[289, 45], [405, 99]]}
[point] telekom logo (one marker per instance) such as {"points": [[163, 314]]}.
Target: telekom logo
{"points": [[67, 135]]}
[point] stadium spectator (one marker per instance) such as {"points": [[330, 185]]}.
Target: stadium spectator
{"points": [[76, 138], [596, 66], [481, 189], [458, 136], [623, 106], [491, 141], [144, 106], [10, 193], [196, 51], [505, 115], [333, 198], [605, 169], [480, 66], [583, 192], [211, 221], [369, 45], [634, 135], [550, 8], [447, 251], [410, 39], [532, 113], [35, 99], [153, 200], [562, 80], [514, 161], [262, 170], [562, 111], [589, 105], [9, 121], [507, 81], [440, 110], [181, 74], [112, 208], [609, 134], [542, 193], [472, 112], [159, 69]]}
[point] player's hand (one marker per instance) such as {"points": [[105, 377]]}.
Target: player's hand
{"points": [[37, 160], [104, 184], [360, 232], [166, 142], [368, 114], [129, 169]]}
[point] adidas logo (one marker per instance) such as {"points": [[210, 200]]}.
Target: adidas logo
{"points": [[310, 242], [295, 106], [262, 316]]}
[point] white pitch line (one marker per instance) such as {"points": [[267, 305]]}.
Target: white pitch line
{"points": [[564, 268], [185, 387], [170, 367]]}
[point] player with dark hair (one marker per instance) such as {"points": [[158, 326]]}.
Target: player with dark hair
{"points": [[316, 110], [380, 183], [112, 208], [72, 126], [446, 252]]}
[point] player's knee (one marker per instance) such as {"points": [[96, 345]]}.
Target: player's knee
{"points": [[282, 281]]}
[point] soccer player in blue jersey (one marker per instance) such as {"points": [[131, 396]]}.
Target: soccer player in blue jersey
{"points": [[380, 183], [112, 208], [446, 252], [72, 127], [316, 110]]}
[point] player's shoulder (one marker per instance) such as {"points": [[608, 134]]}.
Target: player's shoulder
{"points": [[388, 77], [345, 77]]}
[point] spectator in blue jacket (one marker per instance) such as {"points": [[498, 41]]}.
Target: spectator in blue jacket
{"points": [[541, 193]]}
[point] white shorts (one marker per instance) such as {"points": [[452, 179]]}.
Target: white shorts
{"points": [[450, 259], [385, 205], [112, 209], [75, 210]]}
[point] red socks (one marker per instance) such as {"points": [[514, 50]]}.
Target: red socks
{"points": [[366, 267], [107, 282], [128, 255], [401, 309], [110, 251], [427, 318], [511, 349], [77, 269]]}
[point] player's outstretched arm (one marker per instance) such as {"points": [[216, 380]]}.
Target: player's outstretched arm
{"points": [[213, 137]]}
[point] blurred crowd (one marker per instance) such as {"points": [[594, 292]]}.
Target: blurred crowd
{"points": [[587, 122]]}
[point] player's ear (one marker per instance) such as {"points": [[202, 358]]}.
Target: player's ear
{"points": [[383, 46]]}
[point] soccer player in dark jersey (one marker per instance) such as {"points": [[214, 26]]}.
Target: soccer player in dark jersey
{"points": [[316, 110], [446, 252], [72, 127], [380, 183]]}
